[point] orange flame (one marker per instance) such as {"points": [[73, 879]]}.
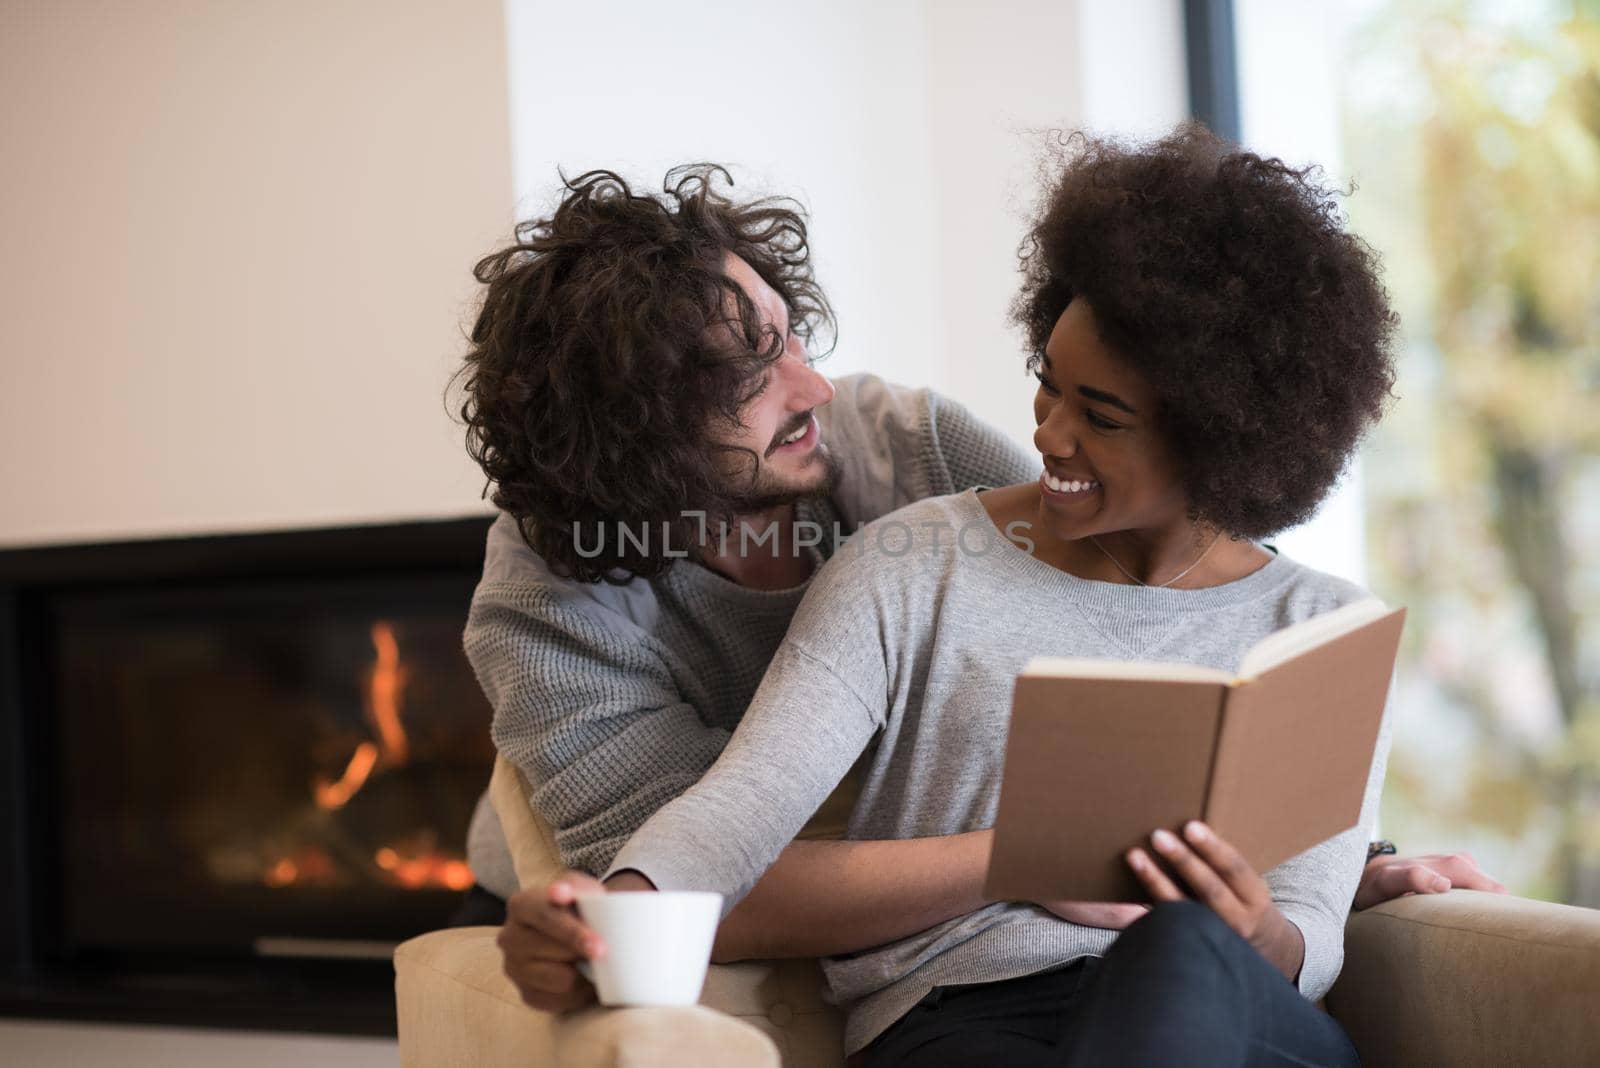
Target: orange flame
{"points": [[284, 872], [334, 795], [427, 869], [413, 865], [386, 683], [381, 697]]}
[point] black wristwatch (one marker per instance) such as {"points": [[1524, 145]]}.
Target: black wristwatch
{"points": [[1383, 848]]}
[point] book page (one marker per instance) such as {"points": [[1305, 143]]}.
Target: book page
{"points": [[1065, 667], [1288, 643], [1296, 745]]}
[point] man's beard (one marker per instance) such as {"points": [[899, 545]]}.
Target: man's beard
{"points": [[767, 493]]}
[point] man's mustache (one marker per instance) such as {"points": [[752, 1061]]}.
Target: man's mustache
{"points": [[777, 439]]}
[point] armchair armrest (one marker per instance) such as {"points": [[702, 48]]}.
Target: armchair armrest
{"points": [[1467, 978], [457, 1007]]}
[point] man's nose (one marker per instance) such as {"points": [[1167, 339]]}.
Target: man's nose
{"points": [[808, 387]]}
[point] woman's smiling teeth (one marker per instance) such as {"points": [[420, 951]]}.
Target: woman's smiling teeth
{"points": [[1068, 485]]}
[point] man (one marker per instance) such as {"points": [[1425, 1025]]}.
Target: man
{"points": [[671, 471]]}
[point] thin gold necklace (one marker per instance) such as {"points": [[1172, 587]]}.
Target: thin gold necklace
{"points": [[1160, 585]]}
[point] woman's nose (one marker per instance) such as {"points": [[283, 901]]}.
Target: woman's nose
{"points": [[1052, 438]]}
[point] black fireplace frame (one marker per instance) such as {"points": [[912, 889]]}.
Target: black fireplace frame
{"points": [[335, 997]]}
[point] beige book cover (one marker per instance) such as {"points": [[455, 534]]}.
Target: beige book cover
{"points": [[1101, 753]]}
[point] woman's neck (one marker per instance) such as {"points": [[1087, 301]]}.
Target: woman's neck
{"points": [[1179, 555], [1189, 558]]}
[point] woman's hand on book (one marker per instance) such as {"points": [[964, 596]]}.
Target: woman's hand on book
{"points": [[1220, 877], [1112, 915]]}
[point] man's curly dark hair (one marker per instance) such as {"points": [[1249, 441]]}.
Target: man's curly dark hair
{"points": [[1229, 282], [597, 371]]}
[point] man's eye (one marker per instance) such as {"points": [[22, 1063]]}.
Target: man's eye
{"points": [[1044, 383]]}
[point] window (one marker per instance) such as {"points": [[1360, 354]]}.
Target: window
{"points": [[1470, 131]]}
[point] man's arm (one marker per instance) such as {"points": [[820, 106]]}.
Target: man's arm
{"points": [[973, 453], [591, 716], [898, 445]]}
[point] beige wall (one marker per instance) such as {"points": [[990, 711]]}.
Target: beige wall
{"points": [[236, 255]]}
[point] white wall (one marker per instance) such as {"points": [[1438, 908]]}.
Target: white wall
{"points": [[826, 102], [238, 241], [1003, 78], [909, 128], [1289, 107]]}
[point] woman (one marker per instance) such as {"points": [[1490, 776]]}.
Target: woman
{"points": [[1210, 347]]}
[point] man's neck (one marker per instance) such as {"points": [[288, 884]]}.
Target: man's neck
{"points": [[759, 551]]}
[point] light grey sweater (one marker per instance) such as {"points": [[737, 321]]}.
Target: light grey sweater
{"points": [[911, 638], [614, 699]]}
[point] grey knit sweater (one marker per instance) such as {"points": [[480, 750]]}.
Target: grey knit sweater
{"points": [[911, 638], [615, 699]]}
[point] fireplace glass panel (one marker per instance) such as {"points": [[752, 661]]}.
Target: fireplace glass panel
{"points": [[250, 765]]}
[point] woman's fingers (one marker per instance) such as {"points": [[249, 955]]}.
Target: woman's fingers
{"points": [[524, 943], [1245, 882], [1154, 879], [1219, 876], [543, 937], [1202, 879], [1215, 872], [548, 911], [550, 987]]}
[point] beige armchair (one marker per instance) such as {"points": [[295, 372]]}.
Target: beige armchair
{"points": [[1458, 979]]}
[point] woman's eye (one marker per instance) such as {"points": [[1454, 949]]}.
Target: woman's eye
{"points": [[1096, 419], [1044, 383]]}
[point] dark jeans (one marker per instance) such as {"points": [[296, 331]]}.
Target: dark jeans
{"points": [[1179, 987]]}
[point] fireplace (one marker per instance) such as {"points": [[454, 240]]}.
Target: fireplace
{"points": [[238, 771]]}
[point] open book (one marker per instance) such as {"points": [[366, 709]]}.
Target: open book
{"points": [[1275, 759]]}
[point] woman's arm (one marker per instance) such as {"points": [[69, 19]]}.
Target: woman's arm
{"points": [[825, 898], [1315, 889], [804, 729], [819, 898], [808, 722]]}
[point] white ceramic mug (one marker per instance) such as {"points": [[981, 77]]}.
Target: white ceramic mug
{"points": [[658, 944]]}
